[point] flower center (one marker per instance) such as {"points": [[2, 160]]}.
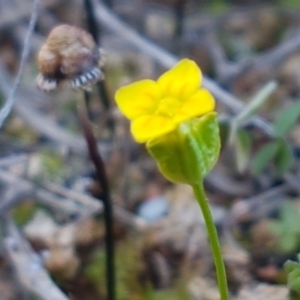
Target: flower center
{"points": [[168, 106]]}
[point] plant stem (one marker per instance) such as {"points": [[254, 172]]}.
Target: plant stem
{"points": [[104, 195], [213, 238]]}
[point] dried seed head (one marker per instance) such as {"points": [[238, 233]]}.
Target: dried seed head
{"points": [[71, 54]]}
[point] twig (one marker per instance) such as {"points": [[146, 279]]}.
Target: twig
{"points": [[8, 161], [275, 56], [105, 196], [96, 33], [268, 60], [59, 204], [220, 181], [122, 215], [257, 206], [225, 70], [60, 199], [5, 111], [20, 11], [28, 266], [12, 196]]}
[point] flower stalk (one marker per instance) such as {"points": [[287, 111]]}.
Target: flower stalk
{"points": [[213, 238]]}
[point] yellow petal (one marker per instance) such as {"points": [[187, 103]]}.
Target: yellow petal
{"points": [[150, 127], [201, 103], [182, 80], [139, 98]]}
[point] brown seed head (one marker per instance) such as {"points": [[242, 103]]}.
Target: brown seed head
{"points": [[69, 53]]}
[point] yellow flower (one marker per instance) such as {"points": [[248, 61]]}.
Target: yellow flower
{"points": [[158, 107]]}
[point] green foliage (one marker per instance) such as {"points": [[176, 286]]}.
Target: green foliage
{"points": [[127, 271], [242, 146], [187, 154], [255, 103], [286, 119], [278, 151], [53, 166], [218, 6], [24, 212], [287, 228], [251, 108], [179, 292], [293, 270], [291, 4], [264, 156], [284, 158]]}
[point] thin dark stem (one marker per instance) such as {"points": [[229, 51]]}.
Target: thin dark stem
{"points": [[179, 13], [105, 197], [96, 33], [102, 91], [91, 21], [109, 3]]}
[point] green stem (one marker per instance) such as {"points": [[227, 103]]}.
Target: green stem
{"points": [[214, 240]]}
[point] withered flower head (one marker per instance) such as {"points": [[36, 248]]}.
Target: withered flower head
{"points": [[69, 54]]}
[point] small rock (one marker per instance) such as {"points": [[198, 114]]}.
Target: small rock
{"points": [[153, 209]]}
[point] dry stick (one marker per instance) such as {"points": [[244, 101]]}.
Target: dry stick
{"points": [[49, 199], [258, 206], [270, 59], [62, 200], [123, 216], [18, 12], [105, 196], [10, 160], [5, 111], [253, 208], [225, 70], [28, 265]]}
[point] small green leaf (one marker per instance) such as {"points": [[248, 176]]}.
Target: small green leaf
{"points": [[224, 126], [290, 216], [264, 156], [293, 270], [255, 103], [188, 153], [284, 158], [287, 228], [286, 119], [289, 243], [251, 108], [290, 266], [242, 148]]}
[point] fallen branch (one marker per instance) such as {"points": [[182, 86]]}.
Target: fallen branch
{"points": [[28, 266]]}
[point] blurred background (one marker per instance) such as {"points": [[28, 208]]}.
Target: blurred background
{"points": [[52, 227]]}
